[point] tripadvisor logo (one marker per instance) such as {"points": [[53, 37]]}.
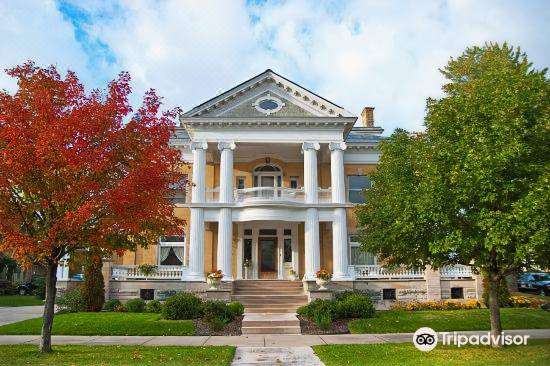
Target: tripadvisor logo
{"points": [[425, 339]]}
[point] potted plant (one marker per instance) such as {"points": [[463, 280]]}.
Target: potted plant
{"points": [[214, 279], [322, 278], [246, 264], [147, 269], [292, 275]]}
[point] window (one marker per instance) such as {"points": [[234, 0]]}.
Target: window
{"points": [[248, 232], [179, 192], [457, 293], [171, 250], [247, 250], [147, 293], [287, 232], [268, 232], [287, 250], [359, 257], [356, 185], [240, 183], [388, 294], [293, 182]]}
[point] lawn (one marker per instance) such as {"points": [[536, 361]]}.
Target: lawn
{"points": [[19, 300], [535, 353], [449, 320], [134, 324], [118, 355]]}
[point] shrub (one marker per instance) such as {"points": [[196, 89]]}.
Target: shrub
{"points": [[236, 308], [135, 305], [526, 302], [181, 306], [217, 309], [39, 284], [153, 306], [503, 293], [110, 305], [355, 306], [7, 288], [71, 301], [119, 308], [93, 288], [436, 305], [326, 306], [323, 320], [217, 324]]}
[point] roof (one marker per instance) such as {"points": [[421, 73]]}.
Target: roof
{"points": [[294, 91]]}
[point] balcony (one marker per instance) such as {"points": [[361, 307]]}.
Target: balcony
{"points": [[379, 272], [132, 272], [456, 271], [264, 195]]}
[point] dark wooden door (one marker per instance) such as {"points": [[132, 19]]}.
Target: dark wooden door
{"points": [[268, 258]]}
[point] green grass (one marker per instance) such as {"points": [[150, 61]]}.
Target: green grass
{"points": [[117, 355], [449, 320], [535, 353], [19, 300], [132, 324]]}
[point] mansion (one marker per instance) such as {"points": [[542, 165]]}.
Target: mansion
{"points": [[276, 173]]}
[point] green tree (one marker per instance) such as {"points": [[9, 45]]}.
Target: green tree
{"points": [[93, 288], [475, 188]]}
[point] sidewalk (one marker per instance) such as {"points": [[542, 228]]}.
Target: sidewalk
{"points": [[253, 340]]}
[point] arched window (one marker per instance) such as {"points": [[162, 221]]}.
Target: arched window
{"points": [[267, 168], [268, 175]]}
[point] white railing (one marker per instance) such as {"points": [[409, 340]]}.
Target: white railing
{"points": [[377, 271], [456, 271], [269, 194], [133, 273]]}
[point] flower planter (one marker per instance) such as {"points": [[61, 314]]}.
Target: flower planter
{"points": [[322, 283], [213, 282], [292, 277]]}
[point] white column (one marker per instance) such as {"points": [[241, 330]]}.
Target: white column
{"points": [[63, 269], [310, 171], [340, 246], [195, 271], [337, 179], [225, 223], [339, 224], [312, 257]]}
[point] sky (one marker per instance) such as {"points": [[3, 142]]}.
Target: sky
{"points": [[384, 54]]}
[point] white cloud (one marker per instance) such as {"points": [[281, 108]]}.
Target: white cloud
{"points": [[379, 53], [37, 31]]}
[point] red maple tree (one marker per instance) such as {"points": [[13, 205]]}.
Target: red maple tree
{"points": [[80, 170]]}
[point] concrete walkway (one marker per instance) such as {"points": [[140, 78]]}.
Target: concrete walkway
{"points": [[18, 313], [302, 356], [253, 340]]}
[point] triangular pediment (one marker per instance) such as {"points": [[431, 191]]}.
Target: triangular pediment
{"points": [[280, 97]]}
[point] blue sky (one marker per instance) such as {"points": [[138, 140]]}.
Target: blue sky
{"points": [[356, 53]]}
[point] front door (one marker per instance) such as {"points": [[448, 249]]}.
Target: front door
{"points": [[268, 258]]}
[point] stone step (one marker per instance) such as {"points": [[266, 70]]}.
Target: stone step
{"points": [[271, 330], [267, 288], [291, 310], [263, 293], [293, 305], [269, 298], [270, 290]]}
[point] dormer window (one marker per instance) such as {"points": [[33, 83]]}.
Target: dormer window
{"points": [[268, 104]]}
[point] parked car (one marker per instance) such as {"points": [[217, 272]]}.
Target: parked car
{"points": [[537, 282], [26, 288]]}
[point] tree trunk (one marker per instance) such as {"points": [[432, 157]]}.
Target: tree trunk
{"points": [[47, 322], [494, 306]]}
